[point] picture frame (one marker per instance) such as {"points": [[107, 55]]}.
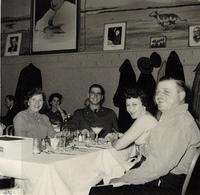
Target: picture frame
{"points": [[13, 44], [158, 42], [194, 35], [114, 36], [54, 27]]}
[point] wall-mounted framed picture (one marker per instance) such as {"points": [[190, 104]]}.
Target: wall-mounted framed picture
{"points": [[114, 36], [194, 35], [158, 42], [13, 44], [54, 26]]}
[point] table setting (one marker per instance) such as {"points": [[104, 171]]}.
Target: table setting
{"points": [[75, 161], [72, 142]]}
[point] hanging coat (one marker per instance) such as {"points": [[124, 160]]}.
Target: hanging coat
{"points": [[127, 80], [148, 84], [29, 78], [196, 93], [161, 71], [174, 67]]}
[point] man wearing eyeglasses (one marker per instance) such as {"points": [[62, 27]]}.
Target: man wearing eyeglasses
{"points": [[94, 114]]}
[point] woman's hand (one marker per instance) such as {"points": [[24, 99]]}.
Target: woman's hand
{"points": [[64, 116]]}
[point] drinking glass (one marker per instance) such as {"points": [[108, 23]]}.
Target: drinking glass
{"points": [[96, 130]]}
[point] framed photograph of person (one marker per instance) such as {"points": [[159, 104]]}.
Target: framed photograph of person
{"points": [[13, 43], [54, 26], [114, 36], [158, 42], [194, 35]]}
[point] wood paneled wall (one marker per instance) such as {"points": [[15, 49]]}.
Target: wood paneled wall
{"points": [[72, 73]]}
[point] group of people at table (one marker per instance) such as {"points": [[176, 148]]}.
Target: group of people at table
{"points": [[165, 146]]}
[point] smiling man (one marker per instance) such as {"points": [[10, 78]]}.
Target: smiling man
{"points": [[94, 114], [170, 149]]}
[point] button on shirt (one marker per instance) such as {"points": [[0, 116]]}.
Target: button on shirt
{"points": [[170, 147]]}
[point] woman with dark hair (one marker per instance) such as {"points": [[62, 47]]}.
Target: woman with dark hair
{"points": [[55, 113], [29, 122], [138, 108]]}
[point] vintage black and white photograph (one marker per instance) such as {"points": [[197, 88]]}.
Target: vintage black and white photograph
{"points": [[103, 97], [13, 43], [54, 26], [194, 35], [114, 36], [158, 42]]}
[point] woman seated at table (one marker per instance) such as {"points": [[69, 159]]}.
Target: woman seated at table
{"points": [[55, 113], [137, 107], [29, 122]]}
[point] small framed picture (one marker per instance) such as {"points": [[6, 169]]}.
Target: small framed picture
{"points": [[194, 35], [13, 43], [158, 42], [114, 36]]}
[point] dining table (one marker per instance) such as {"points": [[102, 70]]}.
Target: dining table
{"points": [[67, 171]]}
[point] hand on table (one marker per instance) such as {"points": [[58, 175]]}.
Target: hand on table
{"points": [[113, 137], [117, 182]]}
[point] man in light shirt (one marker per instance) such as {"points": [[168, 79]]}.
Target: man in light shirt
{"points": [[170, 149]]}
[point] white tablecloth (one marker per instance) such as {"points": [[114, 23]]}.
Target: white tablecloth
{"points": [[56, 174]]}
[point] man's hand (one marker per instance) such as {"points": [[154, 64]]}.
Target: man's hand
{"points": [[117, 182], [56, 4]]}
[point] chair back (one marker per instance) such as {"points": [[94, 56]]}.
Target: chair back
{"points": [[10, 130], [191, 184]]}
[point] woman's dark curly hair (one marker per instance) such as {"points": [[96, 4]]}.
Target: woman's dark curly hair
{"points": [[58, 95], [33, 92], [137, 93]]}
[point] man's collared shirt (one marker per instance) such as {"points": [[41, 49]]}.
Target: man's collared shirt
{"points": [[170, 147]]}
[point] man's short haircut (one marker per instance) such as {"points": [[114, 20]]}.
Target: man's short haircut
{"points": [[102, 91], [97, 86], [179, 83], [57, 95]]}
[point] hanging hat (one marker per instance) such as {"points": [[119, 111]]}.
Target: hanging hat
{"points": [[144, 65], [155, 60]]}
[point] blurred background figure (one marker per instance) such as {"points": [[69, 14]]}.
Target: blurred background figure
{"points": [[12, 110]]}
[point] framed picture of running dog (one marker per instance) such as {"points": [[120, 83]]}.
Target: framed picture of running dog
{"points": [[54, 26], [194, 35]]}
